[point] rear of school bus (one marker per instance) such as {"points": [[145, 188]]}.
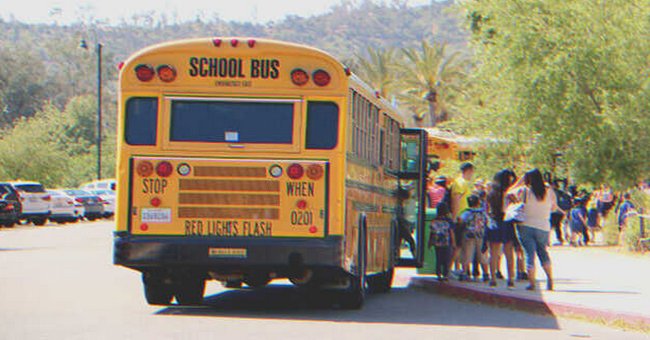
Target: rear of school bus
{"points": [[230, 165]]}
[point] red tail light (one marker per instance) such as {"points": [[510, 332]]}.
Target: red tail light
{"points": [[321, 78], [299, 77], [144, 72], [295, 171], [166, 73], [315, 172], [79, 200], [47, 198], [69, 202], [302, 204], [144, 168], [99, 199], [216, 42], [164, 169], [9, 207]]}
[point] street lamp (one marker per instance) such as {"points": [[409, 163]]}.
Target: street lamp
{"points": [[98, 50]]}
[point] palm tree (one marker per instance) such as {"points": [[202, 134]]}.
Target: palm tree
{"points": [[378, 70], [431, 80]]}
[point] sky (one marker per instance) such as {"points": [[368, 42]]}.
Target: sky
{"points": [[114, 11]]}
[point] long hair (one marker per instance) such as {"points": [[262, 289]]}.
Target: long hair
{"points": [[500, 183], [535, 182]]}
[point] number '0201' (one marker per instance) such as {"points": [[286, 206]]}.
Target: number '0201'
{"points": [[302, 217]]}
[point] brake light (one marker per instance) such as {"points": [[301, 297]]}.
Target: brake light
{"points": [[144, 72], [321, 78], [47, 198], [166, 73], [9, 207], [99, 199], [295, 171], [79, 200], [299, 77], [313, 229], [164, 169], [144, 169], [69, 202], [315, 172], [155, 202]]}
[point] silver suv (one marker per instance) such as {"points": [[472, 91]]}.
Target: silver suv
{"points": [[35, 201]]}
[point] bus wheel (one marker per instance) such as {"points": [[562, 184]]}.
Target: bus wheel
{"points": [[381, 283], [189, 291], [156, 291], [354, 296], [39, 221]]}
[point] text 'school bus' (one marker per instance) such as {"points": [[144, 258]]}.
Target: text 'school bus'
{"points": [[246, 160]]}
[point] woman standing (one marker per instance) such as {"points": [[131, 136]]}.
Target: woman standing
{"points": [[499, 232], [539, 202]]}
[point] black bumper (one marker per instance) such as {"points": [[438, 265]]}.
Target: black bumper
{"points": [[143, 252]]}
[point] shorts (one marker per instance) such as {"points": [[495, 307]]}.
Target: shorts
{"points": [[472, 247], [509, 233], [459, 234], [494, 235], [577, 227]]}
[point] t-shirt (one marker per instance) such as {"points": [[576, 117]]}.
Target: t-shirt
{"points": [[475, 221], [577, 214], [537, 213], [463, 189], [440, 229], [626, 208], [436, 195]]}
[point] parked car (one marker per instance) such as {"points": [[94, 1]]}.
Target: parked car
{"points": [[108, 197], [10, 206], [35, 202], [108, 184], [65, 208], [93, 204]]}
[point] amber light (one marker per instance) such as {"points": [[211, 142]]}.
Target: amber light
{"points": [[164, 169], [144, 72], [144, 169], [166, 73], [295, 171], [315, 172], [321, 78], [299, 77]]}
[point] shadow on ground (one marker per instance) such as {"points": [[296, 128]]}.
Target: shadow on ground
{"points": [[400, 306]]}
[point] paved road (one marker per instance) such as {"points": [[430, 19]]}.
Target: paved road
{"points": [[59, 283]]}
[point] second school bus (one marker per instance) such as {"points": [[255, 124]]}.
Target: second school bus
{"points": [[246, 160]]}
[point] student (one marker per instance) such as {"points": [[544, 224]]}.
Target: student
{"points": [[459, 190], [624, 211], [475, 221], [578, 221], [592, 218], [442, 238]]}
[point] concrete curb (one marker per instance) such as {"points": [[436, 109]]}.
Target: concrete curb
{"points": [[532, 304]]}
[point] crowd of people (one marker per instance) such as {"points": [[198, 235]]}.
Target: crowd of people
{"points": [[478, 224]]}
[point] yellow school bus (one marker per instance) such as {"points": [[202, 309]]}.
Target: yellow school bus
{"points": [[246, 160], [445, 145]]}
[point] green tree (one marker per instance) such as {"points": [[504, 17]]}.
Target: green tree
{"points": [[378, 69], [565, 81], [432, 79]]}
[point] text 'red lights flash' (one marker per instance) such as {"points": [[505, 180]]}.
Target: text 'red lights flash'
{"points": [[164, 169], [299, 77], [144, 168], [166, 73], [295, 171], [144, 72]]}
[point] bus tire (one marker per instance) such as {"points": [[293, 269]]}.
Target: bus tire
{"points": [[355, 295], [156, 291], [256, 281], [381, 283], [189, 291], [39, 221]]}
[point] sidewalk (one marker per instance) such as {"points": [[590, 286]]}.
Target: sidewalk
{"points": [[591, 283]]}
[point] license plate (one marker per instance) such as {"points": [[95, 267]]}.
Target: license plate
{"points": [[239, 253], [156, 215]]}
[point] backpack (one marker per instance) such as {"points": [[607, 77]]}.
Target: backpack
{"points": [[475, 224], [439, 236], [564, 200]]}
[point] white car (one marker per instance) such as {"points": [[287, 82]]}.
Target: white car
{"points": [[108, 197], [65, 208], [35, 201], [108, 184]]}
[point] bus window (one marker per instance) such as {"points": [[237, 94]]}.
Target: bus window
{"points": [[231, 122], [141, 121], [322, 125]]}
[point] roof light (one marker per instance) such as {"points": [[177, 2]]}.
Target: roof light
{"points": [[120, 65], [234, 42], [321, 78], [299, 77], [144, 72], [251, 43], [216, 42], [166, 73]]}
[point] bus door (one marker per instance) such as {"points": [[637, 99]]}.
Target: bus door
{"points": [[412, 197]]}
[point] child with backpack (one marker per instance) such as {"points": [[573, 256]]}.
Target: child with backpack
{"points": [[442, 238], [475, 221], [578, 221]]}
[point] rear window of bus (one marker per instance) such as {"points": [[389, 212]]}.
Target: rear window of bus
{"points": [[141, 121], [231, 122]]}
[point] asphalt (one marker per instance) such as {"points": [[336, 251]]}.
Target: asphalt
{"points": [[595, 283]]}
